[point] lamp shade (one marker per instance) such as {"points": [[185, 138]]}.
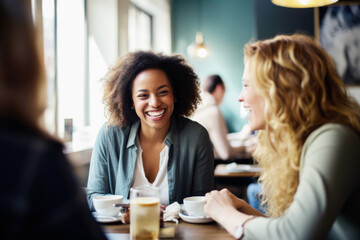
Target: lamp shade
{"points": [[302, 3], [198, 48]]}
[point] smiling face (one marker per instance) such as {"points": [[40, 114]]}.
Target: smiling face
{"points": [[253, 102], [153, 99]]}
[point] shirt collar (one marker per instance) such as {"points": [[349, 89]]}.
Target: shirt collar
{"points": [[170, 139]]}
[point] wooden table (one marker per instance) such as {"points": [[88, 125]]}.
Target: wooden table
{"points": [[220, 171], [235, 182], [183, 230]]}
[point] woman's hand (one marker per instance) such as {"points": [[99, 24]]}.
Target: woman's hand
{"points": [[125, 215], [228, 210], [224, 200]]}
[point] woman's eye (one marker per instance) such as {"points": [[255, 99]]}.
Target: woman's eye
{"points": [[142, 96], [162, 93]]}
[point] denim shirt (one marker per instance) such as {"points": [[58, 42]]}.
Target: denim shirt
{"points": [[190, 167]]}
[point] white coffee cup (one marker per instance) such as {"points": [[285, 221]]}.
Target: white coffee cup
{"points": [[104, 204], [194, 206]]}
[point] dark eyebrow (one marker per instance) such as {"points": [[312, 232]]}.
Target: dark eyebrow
{"points": [[144, 90], [162, 86]]}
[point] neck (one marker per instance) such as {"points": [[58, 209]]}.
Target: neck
{"points": [[216, 97], [153, 134]]}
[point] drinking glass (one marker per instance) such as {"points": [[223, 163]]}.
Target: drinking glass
{"points": [[144, 213]]}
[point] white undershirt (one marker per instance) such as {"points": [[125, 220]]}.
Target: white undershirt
{"points": [[161, 180]]}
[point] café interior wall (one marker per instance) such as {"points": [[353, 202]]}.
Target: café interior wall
{"points": [[227, 26]]}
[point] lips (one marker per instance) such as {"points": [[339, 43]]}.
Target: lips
{"points": [[247, 109], [155, 114]]}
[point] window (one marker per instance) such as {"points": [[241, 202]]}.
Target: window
{"points": [[140, 29], [71, 63], [81, 39]]}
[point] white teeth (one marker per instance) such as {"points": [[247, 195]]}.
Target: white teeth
{"points": [[156, 114]]}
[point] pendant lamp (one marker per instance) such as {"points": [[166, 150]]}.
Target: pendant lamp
{"points": [[198, 49], [303, 3]]}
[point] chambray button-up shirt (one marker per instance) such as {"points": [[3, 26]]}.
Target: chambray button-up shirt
{"points": [[190, 167]]}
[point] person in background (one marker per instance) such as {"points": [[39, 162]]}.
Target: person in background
{"points": [[148, 141], [308, 146], [253, 194], [209, 115], [352, 56], [40, 197]]}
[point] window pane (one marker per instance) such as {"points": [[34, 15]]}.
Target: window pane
{"points": [[71, 63], [48, 15], [140, 29]]}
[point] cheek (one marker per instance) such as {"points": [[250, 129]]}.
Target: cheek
{"points": [[138, 105], [249, 97]]}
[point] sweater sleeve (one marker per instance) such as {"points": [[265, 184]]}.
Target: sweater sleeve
{"points": [[204, 167], [328, 177]]}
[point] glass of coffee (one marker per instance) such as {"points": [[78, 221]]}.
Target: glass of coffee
{"points": [[144, 213]]}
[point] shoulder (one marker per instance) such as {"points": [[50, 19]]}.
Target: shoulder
{"points": [[28, 147], [111, 131], [187, 125], [116, 136], [333, 133], [334, 139], [191, 132]]}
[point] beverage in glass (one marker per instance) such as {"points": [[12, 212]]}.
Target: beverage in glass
{"points": [[144, 213]]}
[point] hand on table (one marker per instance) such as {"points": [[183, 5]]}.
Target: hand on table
{"points": [[220, 199], [224, 200], [125, 215], [228, 210]]}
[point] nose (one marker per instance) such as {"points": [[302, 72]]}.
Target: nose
{"points": [[154, 101], [241, 97]]}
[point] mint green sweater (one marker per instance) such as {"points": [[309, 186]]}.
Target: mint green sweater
{"points": [[327, 202]]}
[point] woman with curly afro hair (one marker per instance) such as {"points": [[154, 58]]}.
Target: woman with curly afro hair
{"points": [[148, 141]]}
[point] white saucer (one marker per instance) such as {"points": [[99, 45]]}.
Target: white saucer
{"points": [[194, 219], [106, 219]]}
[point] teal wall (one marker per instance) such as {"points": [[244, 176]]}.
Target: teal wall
{"points": [[227, 26], [225, 38]]}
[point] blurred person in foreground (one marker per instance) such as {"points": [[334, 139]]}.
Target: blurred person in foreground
{"points": [[39, 196], [209, 115], [147, 140], [308, 146]]}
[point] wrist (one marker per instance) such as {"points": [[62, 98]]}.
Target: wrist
{"points": [[226, 215], [240, 229]]}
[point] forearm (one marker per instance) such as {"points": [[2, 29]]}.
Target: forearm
{"points": [[245, 208], [231, 219]]}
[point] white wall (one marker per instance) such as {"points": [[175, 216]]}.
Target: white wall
{"points": [[160, 9]]}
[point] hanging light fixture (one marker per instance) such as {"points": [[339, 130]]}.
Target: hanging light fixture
{"points": [[302, 3], [198, 48]]}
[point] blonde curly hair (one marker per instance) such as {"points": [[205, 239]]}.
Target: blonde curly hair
{"points": [[302, 91]]}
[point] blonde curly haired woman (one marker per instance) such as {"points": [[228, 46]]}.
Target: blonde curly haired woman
{"points": [[308, 146]]}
